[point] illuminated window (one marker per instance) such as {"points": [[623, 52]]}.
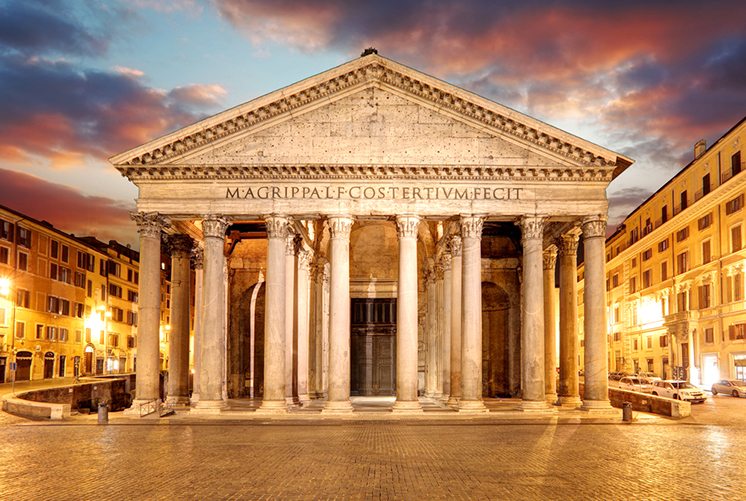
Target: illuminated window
{"points": [[709, 335], [735, 238], [706, 253], [663, 340], [682, 263], [704, 296], [682, 234], [664, 270], [704, 222], [663, 245], [734, 205], [647, 279]]}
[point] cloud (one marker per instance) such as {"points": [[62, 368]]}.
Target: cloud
{"points": [[200, 95], [66, 208]]}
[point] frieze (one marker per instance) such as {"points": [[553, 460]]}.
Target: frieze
{"points": [[275, 192], [375, 71]]}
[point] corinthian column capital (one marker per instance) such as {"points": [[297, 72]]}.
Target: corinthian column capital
{"points": [[471, 226], [550, 257], [277, 226], [198, 257], [594, 226], [455, 246], [340, 226], [532, 227], [406, 226], [150, 224], [567, 243], [180, 245], [214, 226]]}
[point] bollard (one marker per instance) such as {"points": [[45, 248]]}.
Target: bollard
{"points": [[103, 413], [626, 412]]}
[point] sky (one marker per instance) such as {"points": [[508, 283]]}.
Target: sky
{"points": [[82, 80]]}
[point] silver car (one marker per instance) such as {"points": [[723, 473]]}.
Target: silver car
{"points": [[634, 383], [734, 387]]}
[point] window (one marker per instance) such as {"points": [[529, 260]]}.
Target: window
{"points": [[682, 263], [80, 279], [663, 340], [102, 268], [706, 254], [617, 336], [131, 318], [615, 280], [51, 333], [103, 292], [650, 364], [65, 254], [39, 331], [53, 304], [709, 335], [649, 342], [115, 290], [23, 261], [78, 336], [101, 335], [63, 334], [634, 262], [664, 270], [735, 238], [24, 237], [682, 234], [634, 235], [87, 334], [4, 255], [54, 249], [681, 302], [633, 284], [734, 286], [23, 298], [664, 214], [65, 275], [683, 200], [114, 268], [79, 309], [53, 271], [635, 346], [89, 289], [6, 230], [647, 254], [735, 163], [704, 222], [65, 307], [647, 279], [663, 245], [737, 332], [131, 296], [648, 227], [706, 184], [704, 296], [734, 205], [20, 330]]}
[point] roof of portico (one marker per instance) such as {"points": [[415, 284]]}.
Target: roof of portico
{"points": [[164, 157]]}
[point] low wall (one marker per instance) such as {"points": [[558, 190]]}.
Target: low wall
{"points": [[59, 402], [649, 403]]}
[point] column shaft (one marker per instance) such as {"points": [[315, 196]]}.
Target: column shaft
{"points": [[446, 324], [596, 396], [302, 322], [178, 346], [339, 321], [471, 315], [291, 394], [212, 377], [149, 227], [199, 312], [275, 381], [406, 321], [550, 332], [568, 391], [431, 368], [456, 305]]}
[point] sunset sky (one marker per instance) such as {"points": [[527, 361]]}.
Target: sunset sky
{"points": [[83, 80]]}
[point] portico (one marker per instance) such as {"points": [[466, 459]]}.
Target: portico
{"points": [[374, 229]]}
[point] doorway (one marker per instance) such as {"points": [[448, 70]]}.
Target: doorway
{"points": [[23, 367], [373, 347], [48, 365], [88, 361]]}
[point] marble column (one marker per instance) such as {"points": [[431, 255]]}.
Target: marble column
{"points": [[291, 395], [199, 312], [431, 329], [338, 400], [446, 263], [532, 321], [302, 324], [568, 391], [178, 345], [471, 315], [212, 376], [274, 316], [149, 226], [456, 295], [406, 317], [596, 396], [550, 330]]}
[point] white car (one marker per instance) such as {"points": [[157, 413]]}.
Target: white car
{"points": [[678, 390], [734, 387], [634, 383]]}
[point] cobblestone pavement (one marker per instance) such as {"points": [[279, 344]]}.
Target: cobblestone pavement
{"points": [[372, 460]]}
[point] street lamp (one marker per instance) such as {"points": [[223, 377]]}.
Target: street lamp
{"points": [[5, 290]]}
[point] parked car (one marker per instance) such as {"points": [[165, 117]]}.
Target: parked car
{"points": [[734, 387], [678, 390], [647, 375], [634, 383], [616, 376]]}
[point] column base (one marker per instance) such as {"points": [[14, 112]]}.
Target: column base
{"points": [[139, 405], [551, 398], [304, 399], [569, 401], [337, 407], [472, 406], [209, 407], [273, 407], [597, 407], [292, 401], [177, 401], [453, 401], [537, 406], [194, 398], [407, 407]]}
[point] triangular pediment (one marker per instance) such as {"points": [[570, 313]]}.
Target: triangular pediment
{"points": [[371, 111]]}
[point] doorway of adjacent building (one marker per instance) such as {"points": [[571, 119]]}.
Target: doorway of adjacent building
{"points": [[3, 366], [23, 366], [48, 365], [373, 347], [88, 361]]}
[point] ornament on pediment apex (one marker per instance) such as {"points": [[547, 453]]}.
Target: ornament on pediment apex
{"points": [[198, 257], [683, 286], [340, 226], [455, 245], [550, 257], [406, 226], [277, 226], [150, 224], [180, 244], [734, 269], [471, 226], [214, 226], [706, 278], [594, 226], [532, 227]]}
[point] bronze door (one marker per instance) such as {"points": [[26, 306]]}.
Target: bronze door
{"points": [[373, 347]]}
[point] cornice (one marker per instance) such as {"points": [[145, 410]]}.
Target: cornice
{"points": [[367, 72], [165, 172]]}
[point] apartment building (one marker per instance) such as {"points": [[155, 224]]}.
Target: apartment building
{"points": [[675, 272]]}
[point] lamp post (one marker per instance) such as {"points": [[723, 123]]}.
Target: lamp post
{"points": [[5, 290]]}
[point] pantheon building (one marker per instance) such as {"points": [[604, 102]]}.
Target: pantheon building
{"points": [[373, 230]]}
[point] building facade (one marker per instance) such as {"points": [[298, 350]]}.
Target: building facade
{"points": [[372, 230], [68, 305], [675, 272]]}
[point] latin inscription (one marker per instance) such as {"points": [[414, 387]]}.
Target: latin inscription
{"points": [[373, 193]]}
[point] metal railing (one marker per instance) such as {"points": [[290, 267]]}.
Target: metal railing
{"points": [[149, 407]]}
